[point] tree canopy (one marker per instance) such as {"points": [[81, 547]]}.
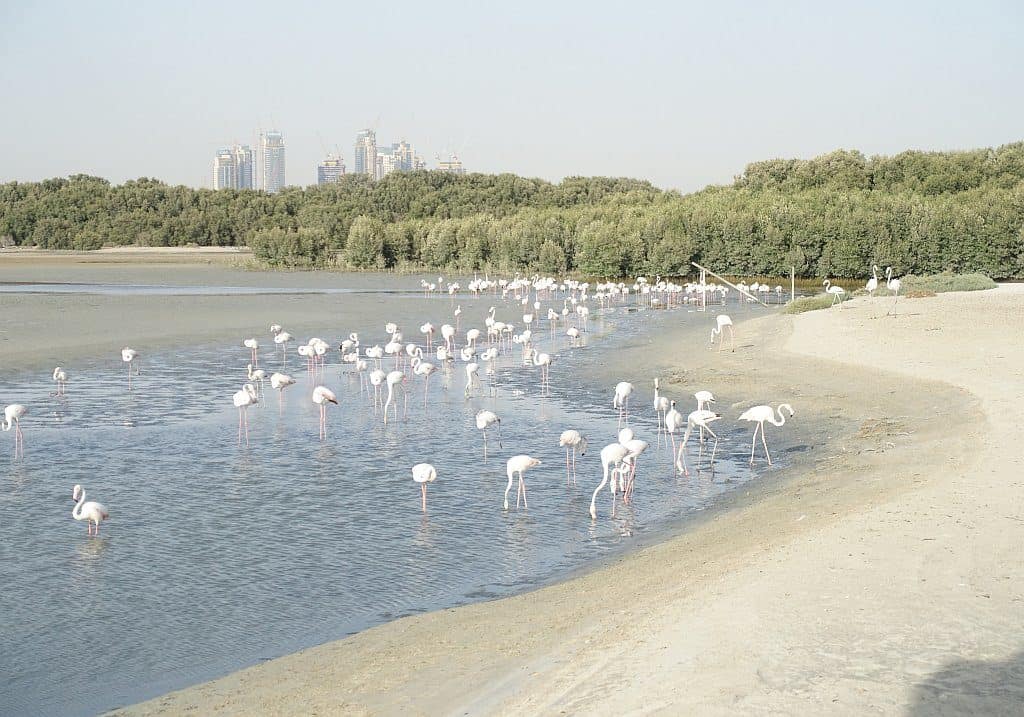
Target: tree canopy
{"points": [[835, 215]]}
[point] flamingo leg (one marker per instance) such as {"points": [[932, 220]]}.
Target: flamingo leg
{"points": [[574, 466], [424, 487], [753, 443], [567, 467], [765, 444], [245, 417], [713, 452]]}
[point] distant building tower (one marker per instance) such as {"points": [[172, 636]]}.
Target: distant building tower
{"points": [[404, 157], [452, 166], [272, 146], [366, 153], [224, 174], [387, 162], [330, 171], [243, 167], [418, 163]]}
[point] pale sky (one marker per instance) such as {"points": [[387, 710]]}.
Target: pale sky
{"points": [[683, 94]]}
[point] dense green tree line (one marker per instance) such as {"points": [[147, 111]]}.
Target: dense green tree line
{"points": [[835, 215]]}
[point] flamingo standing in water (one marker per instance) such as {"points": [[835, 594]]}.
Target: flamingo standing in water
{"points": [[12, 418], [661, 406], [426, 370], [253, 345], [484, 420], [321, 397], [623, 389], [257, 377], [281, 339], [424, 473], [395, 378], [892, 285], [704, 400], [472, 377], [518, 464], [611, 457], [92, 512], [129, 356], [697, 419], [428, 329], [60, 376], [280, 381], [243, 399], [673, 422], [573, 442], [722, 321], [544, 361], [635, 446], [760, 414]]}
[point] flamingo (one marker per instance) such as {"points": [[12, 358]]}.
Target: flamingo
{"points": [[424, 369], [376, 353], [275, 329], [395, 378], [635, 447], [837, 292], [704, 399], [623, 389], [321, 397], [12, 417], [472, 377], [257, 377], [243, 399], [544, 361], [611, 456], [458, 315], [484, 420], [428, 329], [471, 337], [377, 377], [60, 376], [873, 281], [281, 339], [892, 285], [574, 336], [760, 414], [722, 320], [661, 405], [697, 419], [280, 381], [424, 473], [92, 512], [518, 464], [253, 345], [673, 422], [572, 441], [448, 334], [129, 356]]}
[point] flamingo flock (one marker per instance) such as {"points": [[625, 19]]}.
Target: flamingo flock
{"points": [[385, 389]]}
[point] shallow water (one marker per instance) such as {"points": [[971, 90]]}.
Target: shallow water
{"points": [[217, 556]]}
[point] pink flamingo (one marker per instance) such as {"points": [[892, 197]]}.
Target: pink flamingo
{"points": [[611, 456], [697, 419], [572, 441], [280, 381], [760, 414], [395, 378], [129, 356], [92, 512], [424, 473], [243, 399], [518, 464], [484, 420], [12, 417]]}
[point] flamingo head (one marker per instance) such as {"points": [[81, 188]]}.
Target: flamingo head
{"points": [[75, 492]]}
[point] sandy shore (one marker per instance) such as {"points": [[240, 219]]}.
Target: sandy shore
{"points": [[880, 575]]}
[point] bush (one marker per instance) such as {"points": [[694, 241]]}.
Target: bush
{"points": [[812, 303], [940, 283]]}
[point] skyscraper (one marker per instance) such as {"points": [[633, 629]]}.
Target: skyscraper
{"points": [[366, 153], [224, 174], [243, 166], [330, 171], [404, 157], [272, 146]]}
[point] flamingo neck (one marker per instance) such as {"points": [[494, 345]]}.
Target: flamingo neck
{"points": [[77, 512], [782, 418]]}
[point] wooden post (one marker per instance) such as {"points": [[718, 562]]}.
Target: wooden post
{"points": [[729, 283], [792, 283]]}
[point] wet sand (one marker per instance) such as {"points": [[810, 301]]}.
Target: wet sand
{"points": [[879, 573]]}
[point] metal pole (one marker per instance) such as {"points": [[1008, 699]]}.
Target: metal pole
{"points": [[792, 283]]}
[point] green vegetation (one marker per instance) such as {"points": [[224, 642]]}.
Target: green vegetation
{"points": [[920, 212], [938, 283], [812, 303]]}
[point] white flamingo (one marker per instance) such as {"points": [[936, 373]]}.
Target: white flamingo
{"points": [[873, 281], [129, 356], [836, 292], [321, 397], [60, 377], [892, 285], [395, 378], [12, 418], [377, 377], [92, 512], [623, 390], [484, 420], [252, 345], [697, 419], [573, 442], [723, 320], [518, 464], [661, 406], [611, 457], [257, 376], [424, 473], [760, 414], [280, 381], [673, 422], [243, 399]]}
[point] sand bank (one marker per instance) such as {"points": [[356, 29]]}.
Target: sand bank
{"points": [[882, 574]]}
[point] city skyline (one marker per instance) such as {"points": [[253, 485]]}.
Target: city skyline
{"points": [[682, 95]]}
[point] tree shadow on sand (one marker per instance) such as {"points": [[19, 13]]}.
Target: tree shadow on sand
{"points": [[972, 687]]}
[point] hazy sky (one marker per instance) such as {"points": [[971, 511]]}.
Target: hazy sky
{"points": [[681, 93]]}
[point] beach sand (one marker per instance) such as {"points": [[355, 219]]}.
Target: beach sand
{"points": [[879, 572], [881, 576]]}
